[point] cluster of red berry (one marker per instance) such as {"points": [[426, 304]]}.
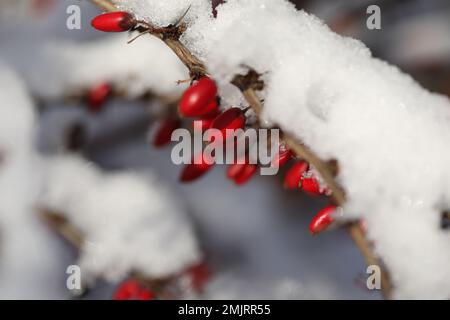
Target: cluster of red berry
{"points": [[200, 102]]}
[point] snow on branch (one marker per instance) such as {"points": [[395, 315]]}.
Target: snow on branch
{"points": [[144, 231], [388, 134]]}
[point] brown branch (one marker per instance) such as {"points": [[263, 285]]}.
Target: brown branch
{"points": [[196, 69], [248, 84]]}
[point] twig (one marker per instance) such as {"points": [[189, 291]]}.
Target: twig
{"points": [[248, 84], [197, 68]]}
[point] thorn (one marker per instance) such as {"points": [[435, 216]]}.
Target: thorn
{"points": [[138, 36], [184, 81], [183, 16]]}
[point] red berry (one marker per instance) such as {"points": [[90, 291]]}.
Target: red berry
{"points": [[131, 290], [240, 172], [199, 275], [322, 220], [246, 174], [114, 22], [283, 156], [199, 99], [312, 186], [294, 176], [235, 169], [98, 95], [163, 135], [232, 119], [196, 169], [145, 295]]}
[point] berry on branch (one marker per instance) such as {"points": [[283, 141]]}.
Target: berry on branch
{"points": [[114, 22], [294, 176], [322, 220], [98, 95], [199, 99]]}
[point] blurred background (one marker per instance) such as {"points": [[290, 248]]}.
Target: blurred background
{"points": [[256, 236]]}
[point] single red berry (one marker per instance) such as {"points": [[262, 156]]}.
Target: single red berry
{"points": [[282, 157], [322, 220], [229, 121], [98, 95], [312, 186], [114, 22], [163, 135], [196, 169], [246, 174], [294, 176], [131, 290], [199, 275], [145, 295], [199, 99], [235, 169]]}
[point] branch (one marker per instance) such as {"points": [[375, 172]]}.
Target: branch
{"points": [[248, 86]]}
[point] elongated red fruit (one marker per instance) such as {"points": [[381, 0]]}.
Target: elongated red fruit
{"points": [[231, 120], [163, 135], [246, 174], [131, 290], [322, 220], [312, 186], [293, 178], [199, 99], [114, 22], [199, 275], [282, 157], [196, 169], [98, 95], [235, 169]]}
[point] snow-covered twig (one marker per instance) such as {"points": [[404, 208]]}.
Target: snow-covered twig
{"points": [[197, 69]]}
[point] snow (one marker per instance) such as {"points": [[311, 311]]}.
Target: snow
{"points": [[22, 256], [332, 94], [164, 13], [129, 220], [70, 67], [388, 134]]}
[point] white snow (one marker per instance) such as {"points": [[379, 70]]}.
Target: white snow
{"points": [[164, 13], [129, 220], [70, 67], [29, 257], [389, 135]]}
